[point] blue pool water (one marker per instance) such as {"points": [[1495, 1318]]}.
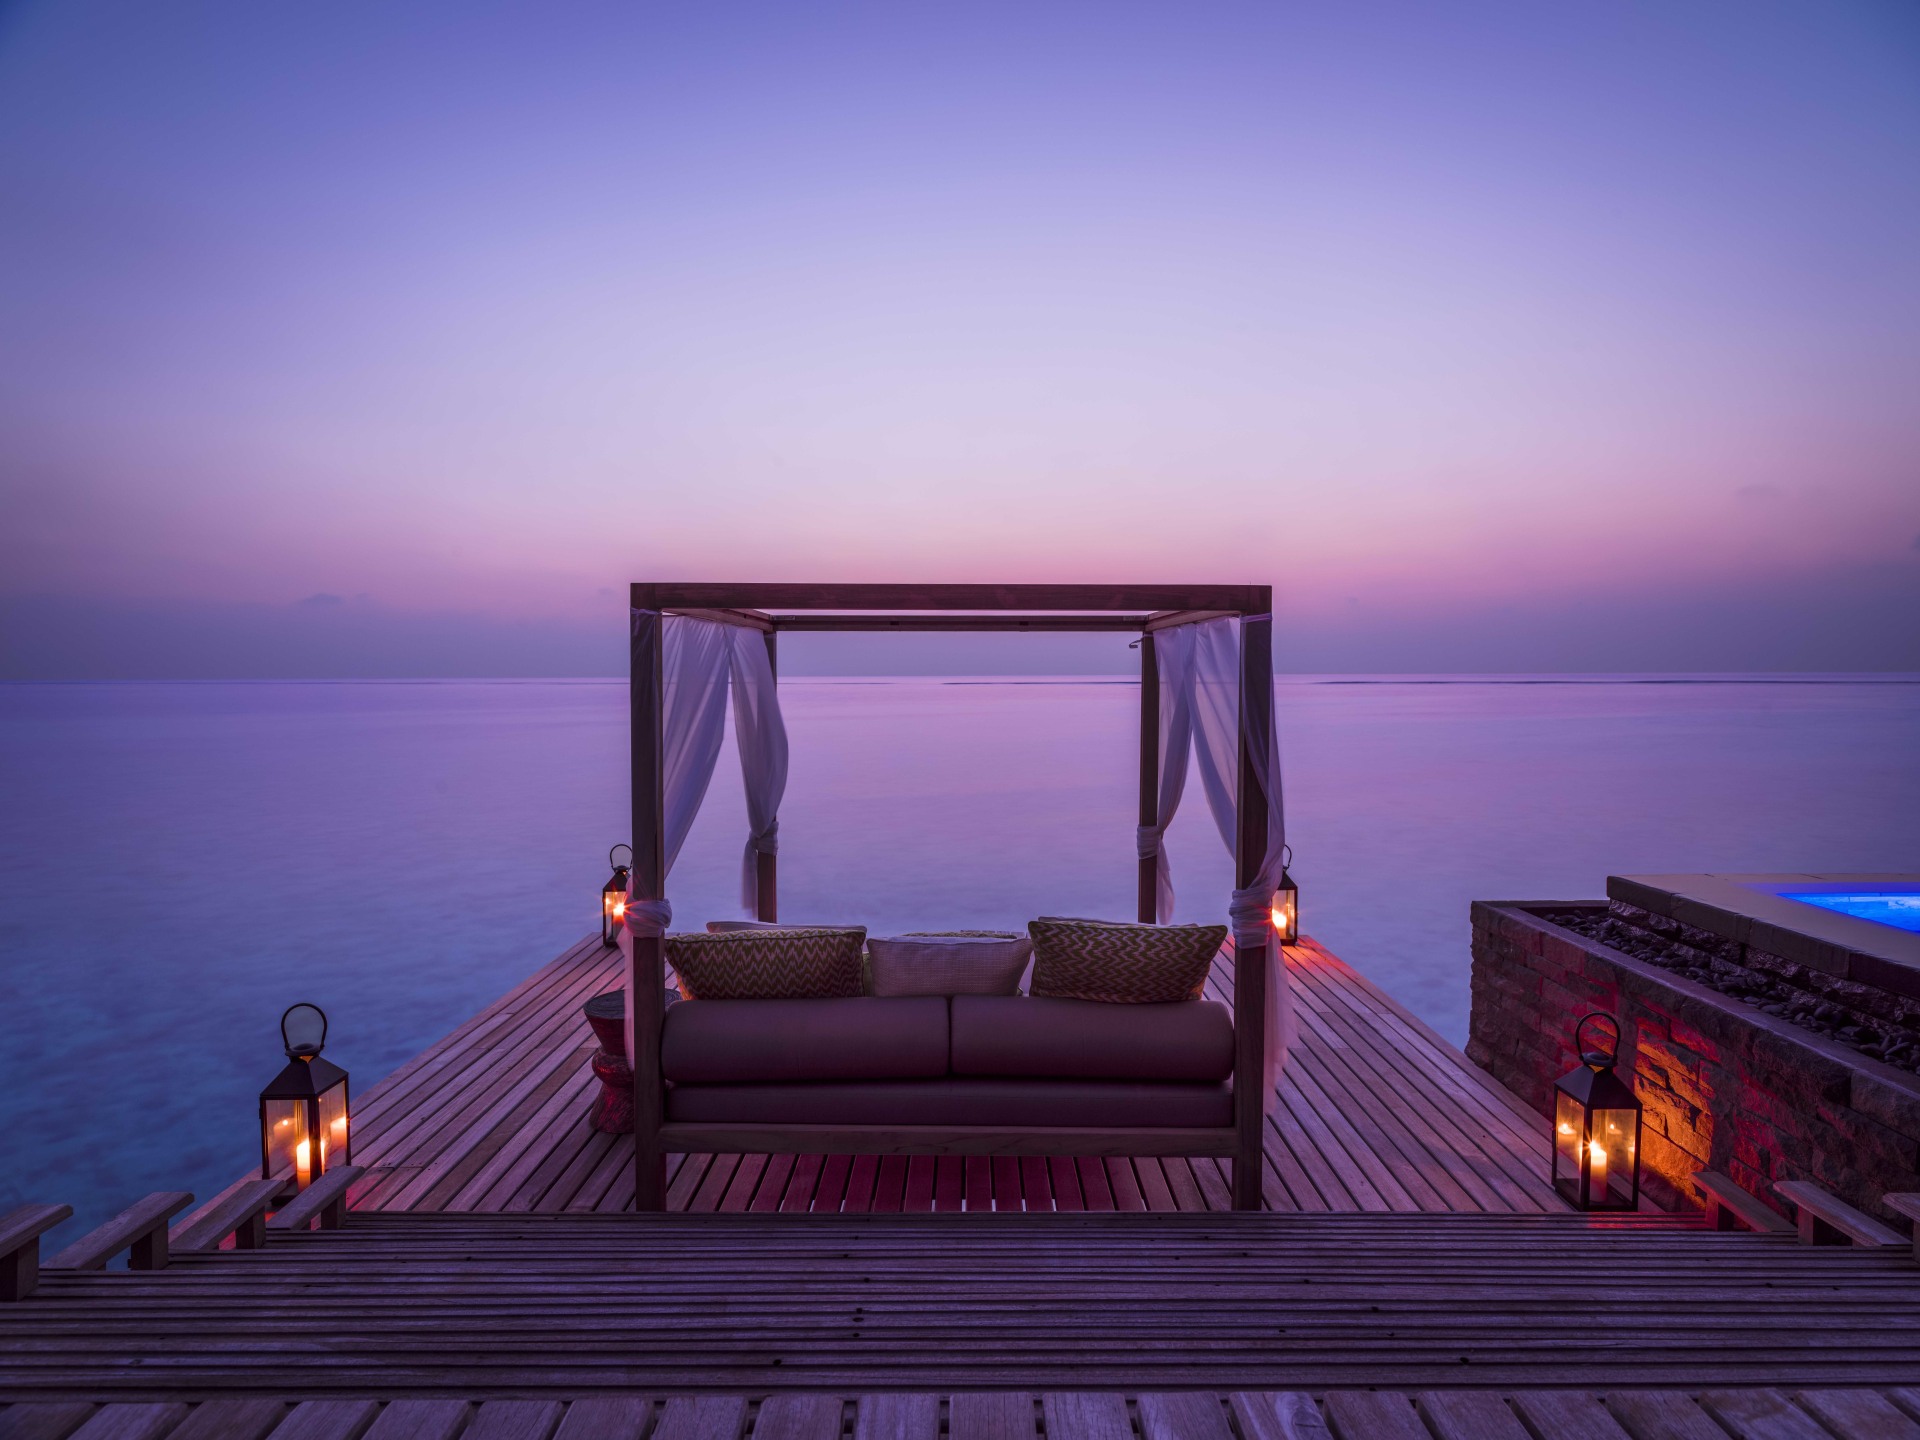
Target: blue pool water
{"points": [[1899, 909]]}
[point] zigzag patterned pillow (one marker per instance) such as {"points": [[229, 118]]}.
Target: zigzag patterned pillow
{"points": [[1122, 964], [796, 964]]}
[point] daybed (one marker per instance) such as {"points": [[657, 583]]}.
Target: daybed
{"points": [[964, 1073]]}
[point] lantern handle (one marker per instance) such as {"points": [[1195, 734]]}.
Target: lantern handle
{"points": [[305, 1049], [1594, 1057], [1286, 857], [615, 851]]}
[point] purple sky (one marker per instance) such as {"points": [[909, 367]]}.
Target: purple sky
{"points": [[393, 338]]}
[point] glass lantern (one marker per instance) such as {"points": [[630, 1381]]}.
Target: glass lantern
{"points": [[613, 897], [1596, 1129], [1286, 903], [304, 1113]]}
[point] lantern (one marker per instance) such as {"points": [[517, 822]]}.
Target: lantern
{"points": [[1286, 902], [1596, 1129], [613, 897], [303, 1113]]}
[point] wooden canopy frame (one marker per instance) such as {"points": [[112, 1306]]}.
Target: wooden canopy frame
{"points": [[775, 608]]}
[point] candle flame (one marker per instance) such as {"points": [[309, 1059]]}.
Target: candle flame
{"points": [[1598, 1150]]}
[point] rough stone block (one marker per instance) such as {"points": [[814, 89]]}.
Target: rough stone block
{"points": [[1888, 1102]]}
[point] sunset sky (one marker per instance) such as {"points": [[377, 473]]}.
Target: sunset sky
{"points": [[394, 338]]}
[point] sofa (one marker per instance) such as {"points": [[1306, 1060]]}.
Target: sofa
{"points": [[849, 1065], [962, 1060]]}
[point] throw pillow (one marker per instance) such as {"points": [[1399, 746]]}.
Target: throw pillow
{"points": [[727, 927], [947, 964], [1122, 964], [783, 964]]}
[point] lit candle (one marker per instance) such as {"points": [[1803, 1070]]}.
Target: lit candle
{"points": [[1598, 1168], [303, 1163]]}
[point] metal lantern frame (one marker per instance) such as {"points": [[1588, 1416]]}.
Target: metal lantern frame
{"points": [[308, 1103], [1286, 902], [1592, 1098], [613, 897]]}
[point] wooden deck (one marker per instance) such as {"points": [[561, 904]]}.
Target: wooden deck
{"points": [[1414, 1279], [565, 1306], [1377, 1113], [1769, 1414]]}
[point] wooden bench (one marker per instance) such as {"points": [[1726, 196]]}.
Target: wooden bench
{"points": [[241, 1213], [140, 1229], [325, 1198], [20, 1232], [1907, 1206], [1730, 1208], [1826, 1219]]}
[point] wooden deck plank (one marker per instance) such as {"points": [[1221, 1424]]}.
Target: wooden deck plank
{"points": [[1083, 1416], [1858, 1415], [1662, 1415], [990, 1415], [1288, 1415], [421, 1420], [609, 1417], [250, 1420], [132, 1422], [1762, 1415], [1182, 1415], [897, 1417]]}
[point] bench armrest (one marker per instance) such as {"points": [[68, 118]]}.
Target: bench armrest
{"points": [[241, 1213], [1826, 1219], [140, 1228], [325, 1197], [20, 1232], [1729, 1206]]}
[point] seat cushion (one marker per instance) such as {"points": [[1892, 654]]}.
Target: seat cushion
{"points": [[1121, 964], [1091, 1104], [726, 1041], [947, 964], [817, 963], [1086, 1040]]}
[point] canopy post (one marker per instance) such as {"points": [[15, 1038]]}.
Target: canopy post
{"points": [[767, 867], [646, 967], [1250, 964], [1149, 879]]}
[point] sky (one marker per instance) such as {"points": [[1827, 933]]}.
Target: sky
{"points": [[393, 339]]}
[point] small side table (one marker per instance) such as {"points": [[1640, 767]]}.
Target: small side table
{"points": [[613, 1107]]}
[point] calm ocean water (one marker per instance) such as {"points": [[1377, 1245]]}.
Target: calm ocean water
{"points": [[178, 862]]}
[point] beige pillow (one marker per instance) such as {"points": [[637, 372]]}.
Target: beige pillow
{"points": [[947, 964], [781, 964], [1122, 964]]}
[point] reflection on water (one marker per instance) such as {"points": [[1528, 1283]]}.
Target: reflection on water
{"points": [[178, 862]]}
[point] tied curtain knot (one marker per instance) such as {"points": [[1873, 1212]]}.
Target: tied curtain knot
{"points": [[1250, 912], [1147, 840], [648, 918]]}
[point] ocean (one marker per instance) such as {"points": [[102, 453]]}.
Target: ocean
{"points": [[179, 862]]}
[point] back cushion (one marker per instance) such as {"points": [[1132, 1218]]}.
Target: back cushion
{"points": [[1026, 1037], [781, 1041], [948, 964], [1122, 964], [779, 964]]}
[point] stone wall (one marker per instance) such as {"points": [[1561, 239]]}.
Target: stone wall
{"points": [[1725, 1085]]}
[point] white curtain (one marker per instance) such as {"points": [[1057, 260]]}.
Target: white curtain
{"points": [[1176, 747], [761, 736], [700, 660], [1200, 665]]}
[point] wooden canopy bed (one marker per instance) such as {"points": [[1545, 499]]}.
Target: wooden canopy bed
{"points": [[772, 609]]}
